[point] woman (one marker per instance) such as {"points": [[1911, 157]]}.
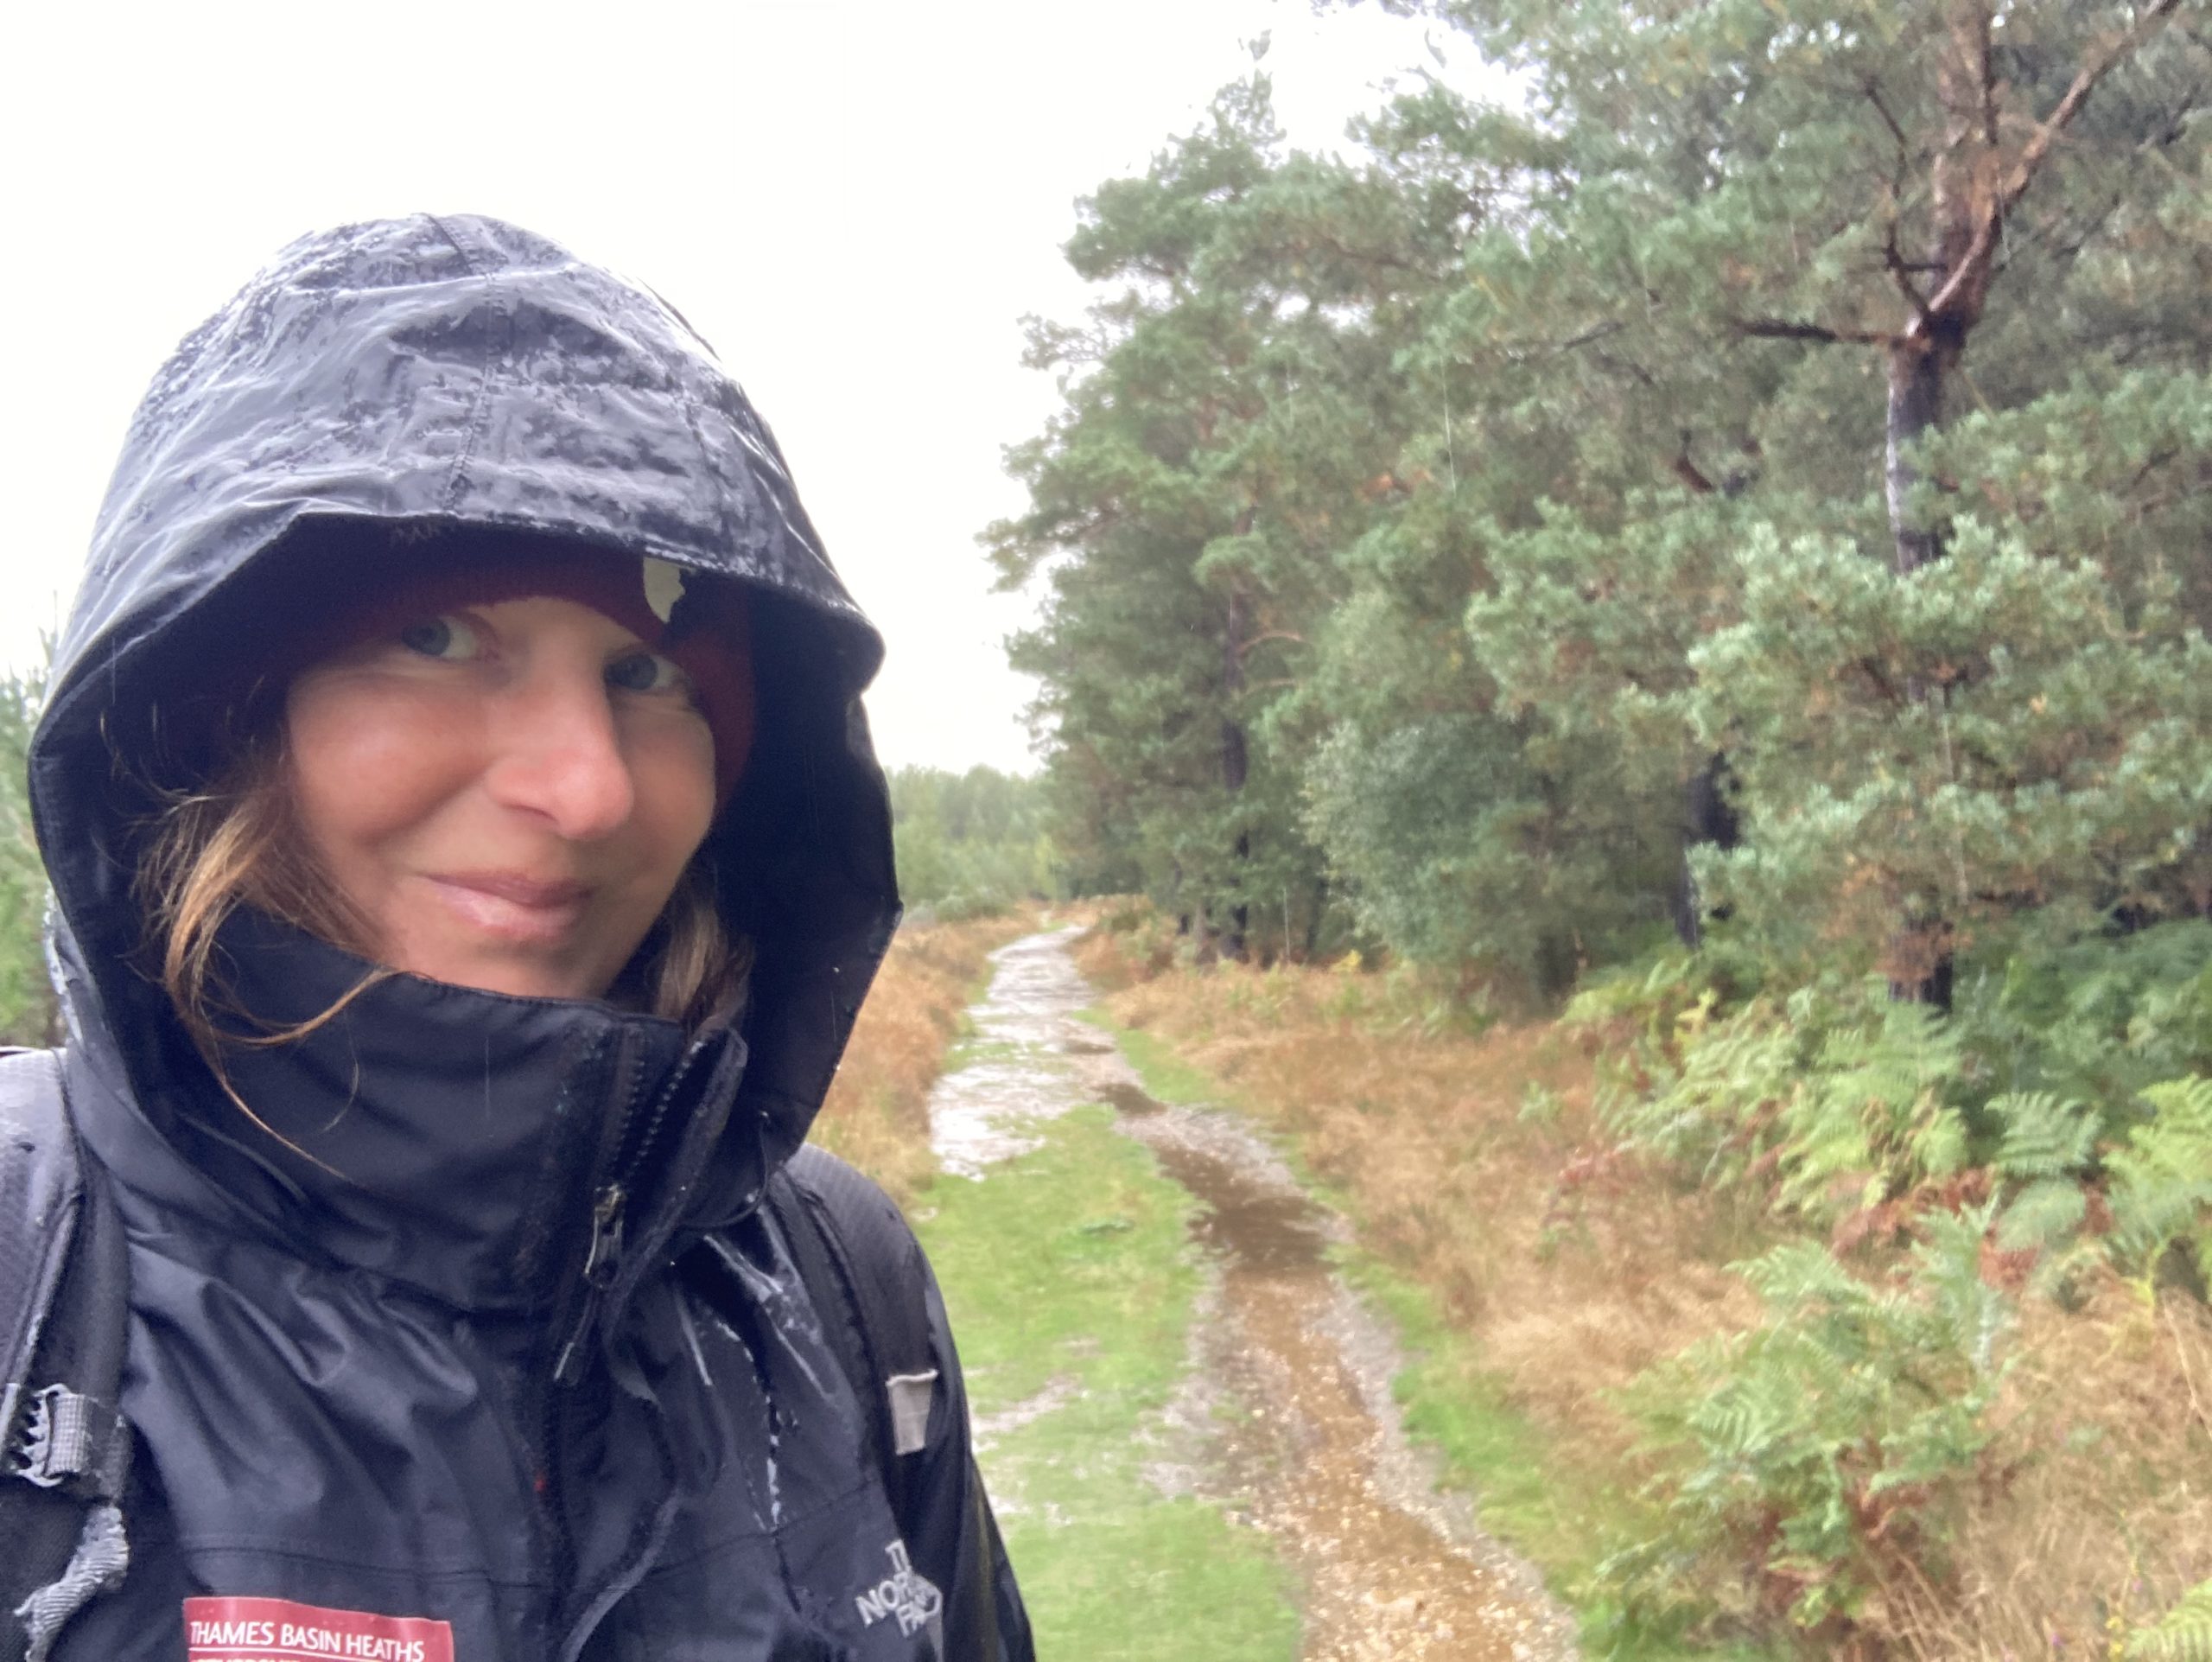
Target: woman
{"points": [[469, 859]]}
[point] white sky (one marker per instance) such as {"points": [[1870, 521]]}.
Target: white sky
{"points": [[855, 200]]}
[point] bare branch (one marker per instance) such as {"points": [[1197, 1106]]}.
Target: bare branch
{"points": [[1598, 333], [1874, 90], [1988, 80], [1270, 634], [1610, 360], [1595, 332], [2034, 153], [1783, 329], [2095, 70], [1893, 261], [1689, 473]]}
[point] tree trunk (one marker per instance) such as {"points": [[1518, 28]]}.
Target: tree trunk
{"points": [[1917, 370], [1706, 818], [1235, 756], [1964, 202], [1314, 917], [1919, 966]]}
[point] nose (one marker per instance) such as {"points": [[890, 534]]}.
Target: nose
{"points": [[559, 754]]}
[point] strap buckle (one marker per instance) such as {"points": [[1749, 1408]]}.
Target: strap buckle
{"points": [[65, 1435]]}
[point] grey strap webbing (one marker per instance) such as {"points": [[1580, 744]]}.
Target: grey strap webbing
{"points": [[64, 1323], [42, 1191]]}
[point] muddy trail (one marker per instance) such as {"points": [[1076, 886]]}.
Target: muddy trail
{"points": [[1285, 1419]]}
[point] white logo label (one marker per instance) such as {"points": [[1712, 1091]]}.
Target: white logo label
{"points": [[902, 1593], [663, 583]]}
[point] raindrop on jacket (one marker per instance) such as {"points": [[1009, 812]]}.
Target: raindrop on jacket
{"points": [[347, 1319]]}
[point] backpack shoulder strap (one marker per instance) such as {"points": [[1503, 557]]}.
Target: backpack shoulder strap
{"points": [[855, 1252], [42, 1191], [64, 1311]]}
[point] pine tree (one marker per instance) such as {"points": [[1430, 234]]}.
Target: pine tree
{"points": [[1212, 454]]}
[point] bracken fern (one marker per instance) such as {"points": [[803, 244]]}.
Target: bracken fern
{"points": [[1823, 1453], [2183, 1634], [2162, 1180]]}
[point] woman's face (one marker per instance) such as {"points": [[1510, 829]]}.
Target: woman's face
{"points": [[506, 794]]}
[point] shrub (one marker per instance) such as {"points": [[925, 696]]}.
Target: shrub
{"points": [[1814, 1460], [2162, 1183], [1836, 1101]]}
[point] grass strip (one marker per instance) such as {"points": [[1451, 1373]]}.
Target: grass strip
{"points": [[1070, 1280], [1165, 1076]]}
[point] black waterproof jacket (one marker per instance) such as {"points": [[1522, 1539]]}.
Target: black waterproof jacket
{"points": [[349, 1305]]}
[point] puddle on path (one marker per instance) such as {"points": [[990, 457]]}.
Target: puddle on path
{"points": [[980, 1114], [1127, 1099], [1304, 1442]]}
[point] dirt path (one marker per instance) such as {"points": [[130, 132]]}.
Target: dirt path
{"points": [[1312, 1452]]}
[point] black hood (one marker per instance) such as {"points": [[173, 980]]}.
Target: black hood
{"points": [[383, 386]]}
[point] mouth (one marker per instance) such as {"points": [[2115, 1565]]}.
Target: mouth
{"points": [[514, 906]]}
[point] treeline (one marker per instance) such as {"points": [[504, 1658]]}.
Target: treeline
{"points": [[1732, 535], [1764, 478], [27, 1008], [971, 845]]}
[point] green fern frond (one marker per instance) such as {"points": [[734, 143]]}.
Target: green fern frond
{"points": [[2044, 1137], [2183, 1103], [2042, 1215], [2183, 1634], [1971, 1318], [2162, 1179], [1941, 1147], [1798, 1273]]}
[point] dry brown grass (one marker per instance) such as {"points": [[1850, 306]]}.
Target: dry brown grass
{"points": [[877, 1112], [1574, 1268], [2097, 1513]]}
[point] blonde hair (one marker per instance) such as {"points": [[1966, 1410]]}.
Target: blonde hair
{"points": [[232, 842]]}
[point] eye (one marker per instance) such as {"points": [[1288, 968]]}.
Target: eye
{"points": [[443, 636], [646, 671]]}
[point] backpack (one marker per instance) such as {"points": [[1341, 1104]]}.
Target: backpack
{"points": [[65, 1447]]}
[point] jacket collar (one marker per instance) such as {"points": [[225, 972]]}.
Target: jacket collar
{"points": [[451, 1139]]}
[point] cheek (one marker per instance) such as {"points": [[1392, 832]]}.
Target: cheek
{"points": [[673, 770], [367, 763]]}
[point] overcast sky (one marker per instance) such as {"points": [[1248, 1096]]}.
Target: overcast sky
{"points": [[855, 200]]}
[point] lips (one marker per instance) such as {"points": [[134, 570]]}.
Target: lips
{"points": [[514, 905]]}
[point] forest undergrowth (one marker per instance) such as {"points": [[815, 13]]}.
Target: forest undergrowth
{"points": [[1822, 1325]]}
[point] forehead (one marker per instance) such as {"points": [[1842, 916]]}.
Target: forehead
{"points": [[519, 585]]}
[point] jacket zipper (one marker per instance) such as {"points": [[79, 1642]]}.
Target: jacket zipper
{"points": [[600, 1266], [642, 1133], [637, 1136]]}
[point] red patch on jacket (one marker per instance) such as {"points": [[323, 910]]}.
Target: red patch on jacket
{"points": [[277, 1630]]}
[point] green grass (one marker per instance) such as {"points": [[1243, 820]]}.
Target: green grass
{"points": [[1069, 1269], [1165, 1074]]}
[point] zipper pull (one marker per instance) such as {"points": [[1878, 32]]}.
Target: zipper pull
{"points": [[606, 1236], [600, 1265]]}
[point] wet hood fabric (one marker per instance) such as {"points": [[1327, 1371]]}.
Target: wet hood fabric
{"points": [[382, 385]]}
